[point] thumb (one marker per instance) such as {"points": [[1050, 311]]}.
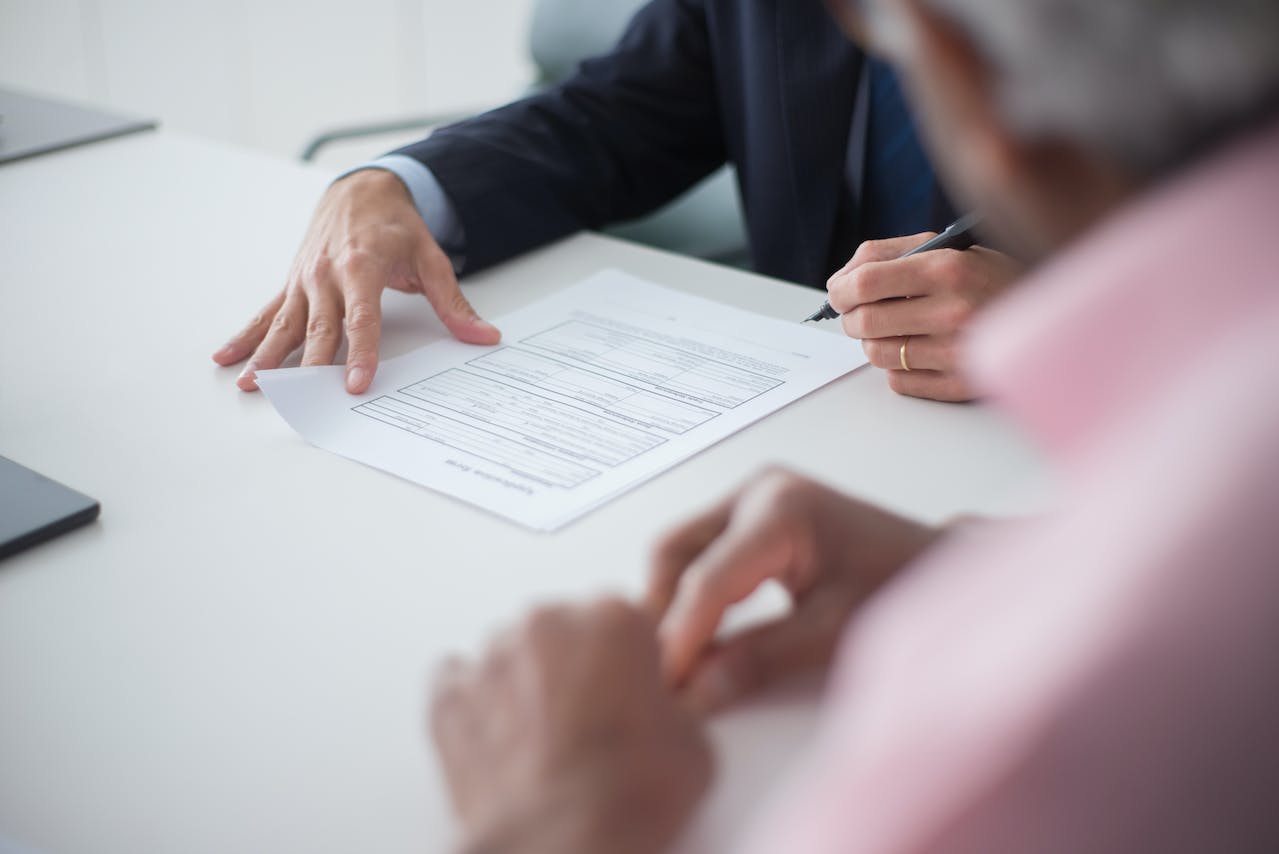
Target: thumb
{"points": [[440, 287], [755, 660]]}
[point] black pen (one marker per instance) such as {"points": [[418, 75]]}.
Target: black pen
{"points": [[958, 235]]}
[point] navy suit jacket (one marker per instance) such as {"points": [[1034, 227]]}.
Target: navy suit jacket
{"points": [[768, 85]]}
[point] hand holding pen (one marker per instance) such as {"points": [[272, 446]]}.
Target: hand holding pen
{"points": [[909, 305], [960, 234]]}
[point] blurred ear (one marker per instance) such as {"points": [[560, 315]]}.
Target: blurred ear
{"points": [[952, 89], [1036, 192]]}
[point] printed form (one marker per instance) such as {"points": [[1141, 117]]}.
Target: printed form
{"points": [[592, 391]]}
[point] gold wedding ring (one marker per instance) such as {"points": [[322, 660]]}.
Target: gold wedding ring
{"points": [[905, 365]]}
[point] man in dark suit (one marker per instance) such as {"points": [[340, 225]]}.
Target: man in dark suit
{"points": [[825, 151]]}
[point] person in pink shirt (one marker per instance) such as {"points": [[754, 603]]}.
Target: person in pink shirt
{"points": [[1102, 679]]}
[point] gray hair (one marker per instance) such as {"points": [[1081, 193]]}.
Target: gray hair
{"points": [[1144, 83]]}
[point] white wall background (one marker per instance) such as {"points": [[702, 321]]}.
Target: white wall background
{"points": [[269, 73]]}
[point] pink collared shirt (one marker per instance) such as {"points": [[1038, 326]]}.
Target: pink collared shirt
{"points": [[1104, 680]]}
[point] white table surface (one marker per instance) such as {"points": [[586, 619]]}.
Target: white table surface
{"points": [[235, 657]]}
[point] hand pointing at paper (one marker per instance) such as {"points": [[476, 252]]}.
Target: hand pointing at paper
{"points": [[365, 236], [829, 551]]}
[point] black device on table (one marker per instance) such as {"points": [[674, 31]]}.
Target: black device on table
{"points": [[31, 125], [34, 509]]}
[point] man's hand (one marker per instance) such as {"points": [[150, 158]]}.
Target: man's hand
{"points": [[829, 551], [565, 739], [365, 236], [924, 302]]}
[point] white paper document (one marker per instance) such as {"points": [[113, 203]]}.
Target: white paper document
{"points": [[592, 391]]}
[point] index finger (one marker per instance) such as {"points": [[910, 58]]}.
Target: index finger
{"points": [[880, 270], [731, 568], [677, 550], [900, 278]]}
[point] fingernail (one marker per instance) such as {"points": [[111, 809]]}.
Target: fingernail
{"points": [[356, 379], [223, 353], [247, 379]]}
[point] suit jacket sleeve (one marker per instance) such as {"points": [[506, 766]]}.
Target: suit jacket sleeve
{"points": [[628, 132]]}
